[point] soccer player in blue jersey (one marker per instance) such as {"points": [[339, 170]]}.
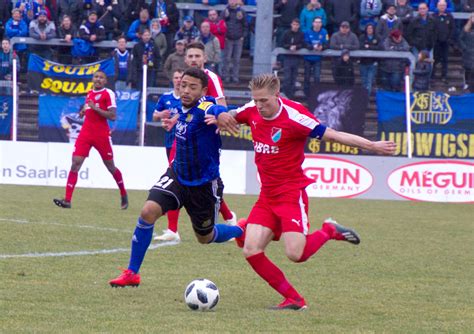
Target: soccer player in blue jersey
{"points": [[190, 181]]}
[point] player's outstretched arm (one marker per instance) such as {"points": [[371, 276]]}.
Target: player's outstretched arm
{"points": [[224, 121], [379, 147]]}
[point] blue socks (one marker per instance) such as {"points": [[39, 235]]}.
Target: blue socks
{"points": [[140, 241], [223, 233]]}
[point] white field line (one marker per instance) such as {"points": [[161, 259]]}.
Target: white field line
{"points": [[21, 221], [76, 253]]}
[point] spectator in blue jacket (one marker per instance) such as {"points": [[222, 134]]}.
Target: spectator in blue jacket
{"points": [[312, 10], [139, 25], [16, 27], [316, 39]]}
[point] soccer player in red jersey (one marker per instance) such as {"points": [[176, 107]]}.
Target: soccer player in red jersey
{"points": [[99, 107], [280, 128], [196, 57]]}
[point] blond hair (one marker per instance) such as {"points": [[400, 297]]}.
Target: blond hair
{"points": [[269, 81]]}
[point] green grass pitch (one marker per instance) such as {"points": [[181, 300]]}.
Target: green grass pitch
{"points": [[412, 273]]}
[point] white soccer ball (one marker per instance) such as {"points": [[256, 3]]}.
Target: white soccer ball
{"points": [[201, 295]]}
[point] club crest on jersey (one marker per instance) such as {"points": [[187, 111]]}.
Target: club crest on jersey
{"points": [[97, 96], [276, 134], [181, 129], [189, 118]]}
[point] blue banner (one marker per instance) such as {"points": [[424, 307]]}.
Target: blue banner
{"points": [[59, 120], [442, 125], [6, 111], [53, 78]]}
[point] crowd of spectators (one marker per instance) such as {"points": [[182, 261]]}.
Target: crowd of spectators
{"points": [[156, 26], [426, 28]]}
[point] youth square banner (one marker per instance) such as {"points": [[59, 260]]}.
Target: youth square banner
{"points": [[6, 110], [442, 125], [54, 78], [59, 119]]}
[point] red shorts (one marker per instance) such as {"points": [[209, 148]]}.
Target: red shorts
{"points": [[285, 213], [103, 144]]}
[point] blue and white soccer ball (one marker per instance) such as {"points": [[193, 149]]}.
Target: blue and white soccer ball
{"points": [[201, 295]]}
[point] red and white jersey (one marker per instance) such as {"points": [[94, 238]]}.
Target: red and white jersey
{"points": [[94, 123], [214, 85], [279, 144]]}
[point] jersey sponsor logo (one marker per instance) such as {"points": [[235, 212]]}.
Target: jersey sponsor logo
{"points": [[276, 134], [335, 177], [265, 148], [434, 181]]}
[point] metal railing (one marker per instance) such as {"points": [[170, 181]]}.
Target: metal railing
{"points": [[354, 53], [62, 42]]}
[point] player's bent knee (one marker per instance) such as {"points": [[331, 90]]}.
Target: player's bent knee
{"points": [[294, 254], [250, 250], [151, 211]]}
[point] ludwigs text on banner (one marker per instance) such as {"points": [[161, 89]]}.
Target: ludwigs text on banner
{"points": [[442, 125]]}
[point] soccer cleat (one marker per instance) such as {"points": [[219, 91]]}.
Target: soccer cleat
{"points": [[62, 203], [291, 304], [126, 278], [242, 223], [339, 232], [124, 202], [168, 235], [232, 221]]}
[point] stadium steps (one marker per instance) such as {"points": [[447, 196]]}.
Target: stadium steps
{"points": [[27, 117]]}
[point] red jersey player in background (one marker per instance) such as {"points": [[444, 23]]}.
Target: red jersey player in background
{"points": [[99, 107], [280, 128], [196, 57]]}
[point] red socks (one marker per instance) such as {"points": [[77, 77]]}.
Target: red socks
{"points": [[225, 211], [314, 242], [173, 216], [118, 178], [273, 275], [70, 185]]}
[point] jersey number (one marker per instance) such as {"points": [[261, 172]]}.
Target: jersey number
{"points": [[164, 182]]}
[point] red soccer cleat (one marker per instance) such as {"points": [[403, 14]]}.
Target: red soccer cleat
{"points": [[242, 223], [339, 232], [126, 278], [291, 304]]}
